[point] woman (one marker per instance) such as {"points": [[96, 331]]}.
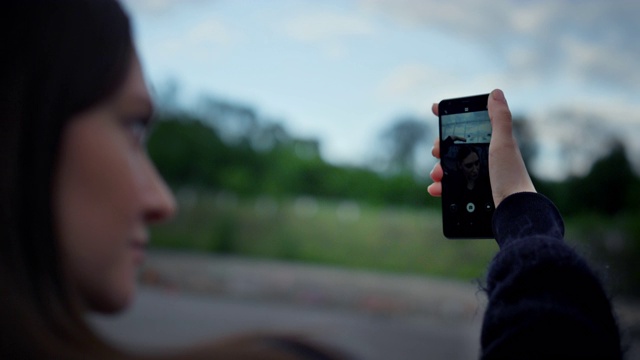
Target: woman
{"points": [[468, 164], [77, 193], [77, 188], [470, 185]]}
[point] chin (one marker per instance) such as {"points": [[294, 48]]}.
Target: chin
{"points": [[113, 302]]}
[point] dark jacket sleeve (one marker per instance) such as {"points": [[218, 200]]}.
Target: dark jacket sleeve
{"points": [[544, 301]]}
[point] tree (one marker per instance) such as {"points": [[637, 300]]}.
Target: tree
{"points": [[608, 186], [400, 143], [580, 135], [166, 97], [234, 122], [523, 132]]}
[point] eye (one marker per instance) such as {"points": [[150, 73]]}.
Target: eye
{"points": [[471, 165], [138, 128]]}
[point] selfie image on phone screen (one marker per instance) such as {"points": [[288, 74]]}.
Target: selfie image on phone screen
{"points": [[465, 133]]}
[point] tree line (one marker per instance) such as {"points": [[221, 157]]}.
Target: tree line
{"points": [[192, 151], [228, 146]]}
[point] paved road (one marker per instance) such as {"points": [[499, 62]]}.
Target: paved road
{"points": [[160, 319], [185, 298]]}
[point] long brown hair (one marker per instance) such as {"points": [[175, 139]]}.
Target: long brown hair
{"points": [[60, 57]]}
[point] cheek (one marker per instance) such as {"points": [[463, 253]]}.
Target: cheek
{"points": [[96, 216]]}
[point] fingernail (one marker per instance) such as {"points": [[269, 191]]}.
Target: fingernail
{"points": [[498, 95]]}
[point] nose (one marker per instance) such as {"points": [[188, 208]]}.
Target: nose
{"points": [[160, 204]]}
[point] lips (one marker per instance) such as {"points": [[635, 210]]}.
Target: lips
{"points": [[139, 247]]}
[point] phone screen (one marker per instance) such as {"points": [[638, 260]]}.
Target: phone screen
{"points": [[465, 133]]}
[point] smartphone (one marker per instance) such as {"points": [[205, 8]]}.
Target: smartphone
{"points": [[465, 133]]}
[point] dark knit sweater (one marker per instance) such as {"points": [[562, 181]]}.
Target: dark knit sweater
{"points": [[544, 300]]}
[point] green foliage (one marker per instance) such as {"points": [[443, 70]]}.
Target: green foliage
{"points": [[613, 244], [337, 232], [610, 188], [189, 153]]}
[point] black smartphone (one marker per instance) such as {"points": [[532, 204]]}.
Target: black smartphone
{"points": [[465, 133]]}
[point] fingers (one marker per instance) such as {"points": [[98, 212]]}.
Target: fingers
{"points": [[437, 173], [435, 150], [435, 189]]}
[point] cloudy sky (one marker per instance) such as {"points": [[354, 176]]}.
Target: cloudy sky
{"points": [[342, 71]]}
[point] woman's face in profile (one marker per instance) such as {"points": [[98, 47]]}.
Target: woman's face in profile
{"points": [[106, 193]]}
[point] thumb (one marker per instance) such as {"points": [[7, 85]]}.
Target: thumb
{"points": [[500, 115], [507, 170]]}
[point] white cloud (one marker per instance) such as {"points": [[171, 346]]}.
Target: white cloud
{"points": [[530, 17], [211, 31], [418, 85], [407, 79], [327, 26], [202, 41], [329, 30], [593, 40]]}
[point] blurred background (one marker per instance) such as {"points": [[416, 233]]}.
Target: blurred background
{"points": [[301, 130]]}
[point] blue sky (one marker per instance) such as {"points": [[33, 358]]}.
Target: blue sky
{"points": [[342, 71]]}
